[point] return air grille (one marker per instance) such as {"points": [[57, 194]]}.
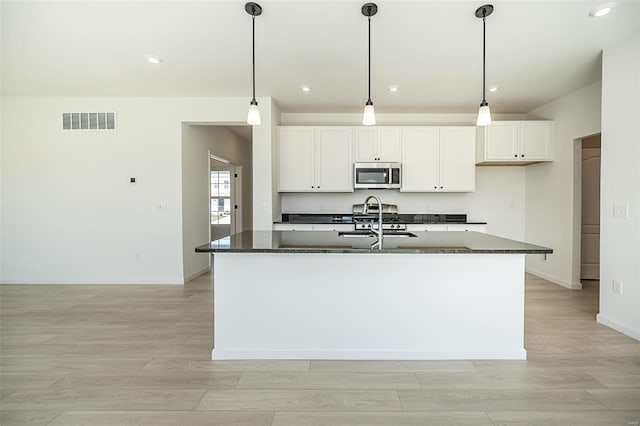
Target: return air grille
{"points": [[89, 120]]}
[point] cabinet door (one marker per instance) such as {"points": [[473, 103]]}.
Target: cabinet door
{"points": [[336, 227], [535, 140], [389, 144], [295, 159], [426, 227], [420, 159], [292, 227], [457, 159], [366, 144], [465, 227], [334, 161], [502, 141]]}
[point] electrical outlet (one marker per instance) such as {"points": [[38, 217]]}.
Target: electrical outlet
{"points": [[617, 287], [621, 211]]}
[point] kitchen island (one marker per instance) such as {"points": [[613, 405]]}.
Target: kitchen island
{"points": [[319, 295]]}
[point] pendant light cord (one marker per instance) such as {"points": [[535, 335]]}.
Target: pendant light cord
{"points": [[369, 19], [253, 60], [484, 17]]}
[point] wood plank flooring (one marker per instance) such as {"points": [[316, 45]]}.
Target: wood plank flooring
{"points": [[139, 355]]}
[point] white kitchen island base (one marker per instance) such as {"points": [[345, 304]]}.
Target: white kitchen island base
{"points": [[368, 306]]}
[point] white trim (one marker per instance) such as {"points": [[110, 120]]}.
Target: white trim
{"points": [[26, 281], [601, 319], [571, 286], [197, 274], [515, 354]]}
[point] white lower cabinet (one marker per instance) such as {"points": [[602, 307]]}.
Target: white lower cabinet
{"points": [[418, 227], [313, 227], [446, 227], [438, 159], [467, 227]]}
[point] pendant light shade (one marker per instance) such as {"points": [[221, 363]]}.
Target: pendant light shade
{"points": [[369, 116], [484, 113], [253, 116]]}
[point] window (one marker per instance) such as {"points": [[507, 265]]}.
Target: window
{"points": [[220, 197]]}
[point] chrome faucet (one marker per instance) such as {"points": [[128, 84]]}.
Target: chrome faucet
{"points": [[378, 232]]}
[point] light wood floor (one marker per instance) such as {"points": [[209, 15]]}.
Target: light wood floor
{"points": [[139, 355]]}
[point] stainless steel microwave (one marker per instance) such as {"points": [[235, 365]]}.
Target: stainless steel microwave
{"points": [[376, 175]]}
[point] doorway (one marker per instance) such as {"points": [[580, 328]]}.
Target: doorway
{"points": [[590, 208], [225, 195]]}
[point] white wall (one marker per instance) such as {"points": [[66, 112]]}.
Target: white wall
{"points": [[69, 213], [197, 142], [620, 185], [499, 198], [552, 192]]}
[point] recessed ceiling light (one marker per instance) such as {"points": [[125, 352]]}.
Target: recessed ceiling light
{"points": [[153, 59], [494, 88], [305, 88], [393, 89], [602, 9]]}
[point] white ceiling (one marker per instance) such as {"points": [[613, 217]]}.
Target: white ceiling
{"points": [[537, 51]]}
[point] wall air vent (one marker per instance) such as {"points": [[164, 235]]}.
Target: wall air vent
{"points": [[88, 120]]}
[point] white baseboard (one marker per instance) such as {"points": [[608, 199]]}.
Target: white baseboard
{"points": [[569, 285], [516, 354], [617, 327], [26, 281], [197, 274]]}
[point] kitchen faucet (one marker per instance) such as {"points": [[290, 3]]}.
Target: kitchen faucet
{"points": [[378, 232]]}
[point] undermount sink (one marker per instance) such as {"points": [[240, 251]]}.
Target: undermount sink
{"points": [[388, 234]]}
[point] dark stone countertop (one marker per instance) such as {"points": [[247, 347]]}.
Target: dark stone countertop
{"points": [[331, 242], [408, 218]]}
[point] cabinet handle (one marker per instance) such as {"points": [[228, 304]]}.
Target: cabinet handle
{"points": [[441, 187], [435, 187], [516, 155], [522, 155]]}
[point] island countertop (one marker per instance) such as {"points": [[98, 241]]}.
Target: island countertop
{"points": [[331, 242]]}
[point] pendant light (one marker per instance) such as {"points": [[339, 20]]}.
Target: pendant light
{"points": [[484, 113], [253, 116], [369, 116]]}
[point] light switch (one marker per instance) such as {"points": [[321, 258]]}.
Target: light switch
{"points": [[621, 211]]}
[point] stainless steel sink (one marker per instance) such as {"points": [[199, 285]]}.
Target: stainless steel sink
{"points": [[388, 234]]}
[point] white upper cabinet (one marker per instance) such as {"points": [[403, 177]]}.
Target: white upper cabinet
{"points": [[535, 140], [378, 144], [315, 159], [296, 158], [420, 159], [333, 159], [457, 159], [433, 158], [438, 159], [515, 142]]}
